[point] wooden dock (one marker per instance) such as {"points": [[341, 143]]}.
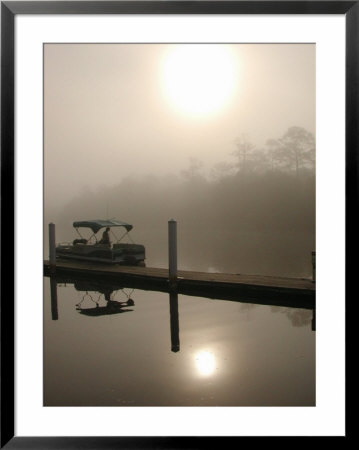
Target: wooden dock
{"points": [[279, 291]]}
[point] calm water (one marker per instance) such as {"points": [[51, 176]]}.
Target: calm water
{"points": [[230, 353]]}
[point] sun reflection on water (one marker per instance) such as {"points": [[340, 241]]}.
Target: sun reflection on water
{"points": [[205, 362]]}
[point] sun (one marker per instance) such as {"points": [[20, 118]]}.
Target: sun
{"points": [[205, 363], [199, 79]]}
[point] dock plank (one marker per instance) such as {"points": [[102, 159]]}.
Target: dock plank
{"points": [[296, 292]]}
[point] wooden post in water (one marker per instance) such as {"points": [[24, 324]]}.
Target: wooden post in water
{"points": [[172, 252], [52, 247], [53, 289], [313, 320], [313, 266], [174, 322]]}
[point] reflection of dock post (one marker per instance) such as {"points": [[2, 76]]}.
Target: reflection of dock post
{"points": [[172, 252], [313, 320], [53, 288], [313, 266], [172, 276], [174, 321], [52, 247]]}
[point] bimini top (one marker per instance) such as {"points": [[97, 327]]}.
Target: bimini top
{"points": [[96, 225]]}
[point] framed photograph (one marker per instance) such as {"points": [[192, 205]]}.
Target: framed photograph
{"points": [[178, 190]]}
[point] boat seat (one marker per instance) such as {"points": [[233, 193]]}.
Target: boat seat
{"points": [[79, 241]]}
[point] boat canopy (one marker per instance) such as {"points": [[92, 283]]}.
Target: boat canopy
{"points": [[96, 225]]}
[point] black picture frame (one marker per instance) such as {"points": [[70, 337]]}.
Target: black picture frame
{"points": [[9, 10]]}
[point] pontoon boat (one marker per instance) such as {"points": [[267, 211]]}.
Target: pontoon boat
{"points": [[91, 249]]}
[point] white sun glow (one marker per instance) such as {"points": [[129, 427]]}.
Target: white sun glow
{"points": [[205, 362], [199, 79]]}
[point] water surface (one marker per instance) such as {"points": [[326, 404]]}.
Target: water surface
{"points": [[228, 353]]}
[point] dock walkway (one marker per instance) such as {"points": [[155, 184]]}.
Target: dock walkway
{"points": [[293, 292]]}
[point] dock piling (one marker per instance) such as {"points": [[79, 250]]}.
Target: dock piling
{"points": [[172, 252], [174, 322], [52, 246], [313, 266], [53, 290]]}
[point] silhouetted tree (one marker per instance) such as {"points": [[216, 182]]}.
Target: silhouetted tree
{"points": [[194, 171], [249, 158], [258, 162], [244, 149], [273, 146], [294, 150]]}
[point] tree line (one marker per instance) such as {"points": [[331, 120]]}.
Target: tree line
{"points": [[265, 188], [256, 215], [294, 152]]}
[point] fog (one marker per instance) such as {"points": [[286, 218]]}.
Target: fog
{"points": [[238, 176]]}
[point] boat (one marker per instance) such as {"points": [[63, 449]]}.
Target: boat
{"points": [[93, 249]]}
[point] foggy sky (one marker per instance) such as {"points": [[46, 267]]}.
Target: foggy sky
{"points": [[106, 115]]}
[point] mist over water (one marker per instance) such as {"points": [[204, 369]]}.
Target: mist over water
{"points": [[139, 132], [263, 225]]}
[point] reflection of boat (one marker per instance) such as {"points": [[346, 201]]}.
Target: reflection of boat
{"points": [[112, 307], [102, 288], [108, 291], [92, 249], [105, 297]]}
